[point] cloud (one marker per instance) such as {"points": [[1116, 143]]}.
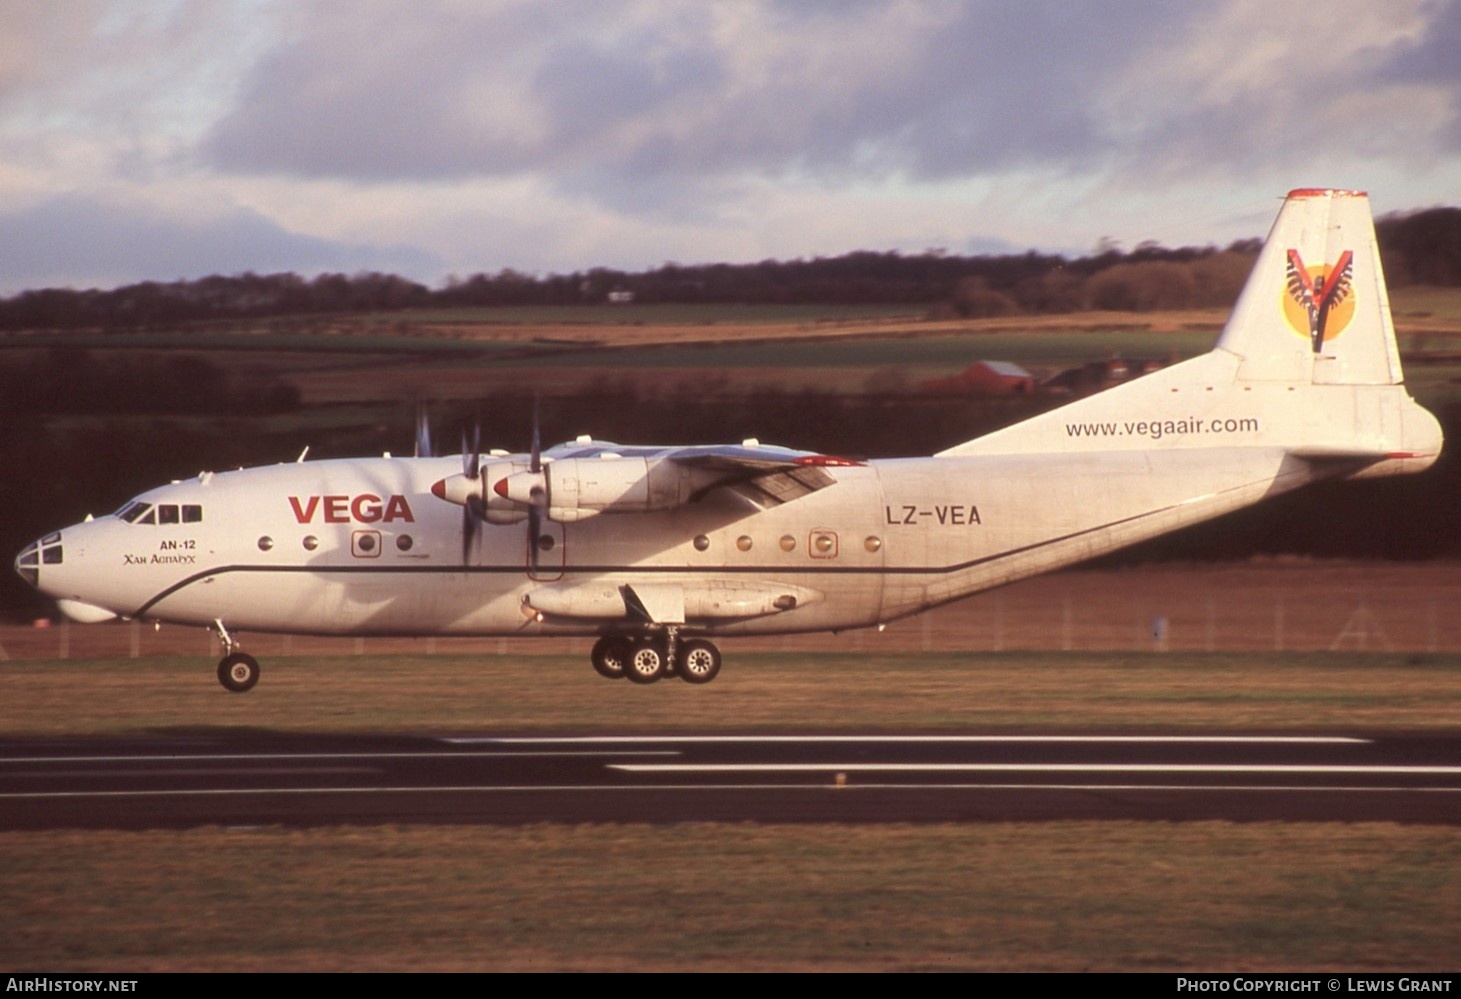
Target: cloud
{"points": [[80, 241], [663, 90], [671, 106], [1430, 59], [572, 134]]}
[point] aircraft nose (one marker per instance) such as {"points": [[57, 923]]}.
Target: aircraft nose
{"points": [[46, 551]]}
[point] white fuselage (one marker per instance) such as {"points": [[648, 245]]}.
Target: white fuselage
{"points": [[363, 547]]}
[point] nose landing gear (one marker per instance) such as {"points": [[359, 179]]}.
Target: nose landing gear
{"points": [[237, 671]]}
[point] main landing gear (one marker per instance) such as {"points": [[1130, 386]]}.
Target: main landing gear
{"points": [[237, 671], [646, 658]]}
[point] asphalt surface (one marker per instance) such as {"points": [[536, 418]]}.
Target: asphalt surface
{"points": [[304, 780]]}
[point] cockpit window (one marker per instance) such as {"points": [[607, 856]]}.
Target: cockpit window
{"points": [[132, 511], [138, 512]]}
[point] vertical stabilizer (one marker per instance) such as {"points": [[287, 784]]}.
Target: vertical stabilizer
{"points": [[1315, 309], [1307, 365]]}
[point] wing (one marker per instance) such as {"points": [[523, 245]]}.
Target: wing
{"points": [[587, 478], [765, 476]]}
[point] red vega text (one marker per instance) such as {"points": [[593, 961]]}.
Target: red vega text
{"points": [[367, 508]]}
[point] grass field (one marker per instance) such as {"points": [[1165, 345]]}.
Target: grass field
{"points": [[1018, 897], [1303, 692], [468, 353], [648, 315]]}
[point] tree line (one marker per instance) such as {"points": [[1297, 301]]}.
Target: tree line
{"points": [[1422, 247]]}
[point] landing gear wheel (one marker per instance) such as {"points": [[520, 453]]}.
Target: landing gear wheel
{"points": [[238, 672], [609, 656], [646, 662], [699, 661]]}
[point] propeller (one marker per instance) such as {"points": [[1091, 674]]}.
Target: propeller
{"points": [[526, 491], [474, 510], [539, 493]]}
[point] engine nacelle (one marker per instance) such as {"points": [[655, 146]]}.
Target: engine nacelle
{"points": [[498, 509], [579, 488]]}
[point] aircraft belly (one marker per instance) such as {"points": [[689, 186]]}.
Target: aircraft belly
{"points": [[325, 603]]}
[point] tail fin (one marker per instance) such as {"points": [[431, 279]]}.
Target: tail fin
{"points": [[1315, 309], [1307, 364]]}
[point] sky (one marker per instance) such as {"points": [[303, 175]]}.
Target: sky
{"points": [[165, 139]]}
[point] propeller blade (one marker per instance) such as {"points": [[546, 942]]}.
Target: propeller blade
{"points": [[469, 531], [423, 432], [472, 457], [535, 529], [474, 510], [536, 459], [538, 495]]}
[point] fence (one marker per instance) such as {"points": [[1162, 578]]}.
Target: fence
{"points": [[1276, 606]]}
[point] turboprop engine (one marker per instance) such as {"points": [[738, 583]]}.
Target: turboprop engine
{"points": [[473, 492], [571, 489]]}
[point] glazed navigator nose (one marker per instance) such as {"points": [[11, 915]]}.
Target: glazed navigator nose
{"points": [[46, 551]]}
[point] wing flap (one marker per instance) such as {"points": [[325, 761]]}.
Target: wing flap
{"points": [[766, 479]]}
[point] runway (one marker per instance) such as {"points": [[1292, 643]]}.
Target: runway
{"points": [[251, 779]]}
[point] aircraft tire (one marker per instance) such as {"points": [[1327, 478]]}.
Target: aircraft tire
{"points": [[646, 662], [609, 656], [238, 672], [699, 661]]}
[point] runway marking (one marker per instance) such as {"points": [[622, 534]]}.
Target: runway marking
{"points": [[718, 788], [1261, 739], [188, 757], [1239, 768]]}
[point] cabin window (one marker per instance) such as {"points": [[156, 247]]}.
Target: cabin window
{"points": [[788, 543], [872, 543], [744, 542], [265, 543], [823, 544], [310, 542], [701, 542], [404, 542]]}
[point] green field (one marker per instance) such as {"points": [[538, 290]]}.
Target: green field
{"points": [[942, 351], [1017, 897], [841, 348], [646, 315], [822, 693]]}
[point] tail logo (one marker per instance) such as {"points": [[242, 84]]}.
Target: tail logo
{"points": [[1318, 302]]}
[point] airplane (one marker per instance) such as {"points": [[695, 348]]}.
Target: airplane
{"points": [[659, 552]]}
